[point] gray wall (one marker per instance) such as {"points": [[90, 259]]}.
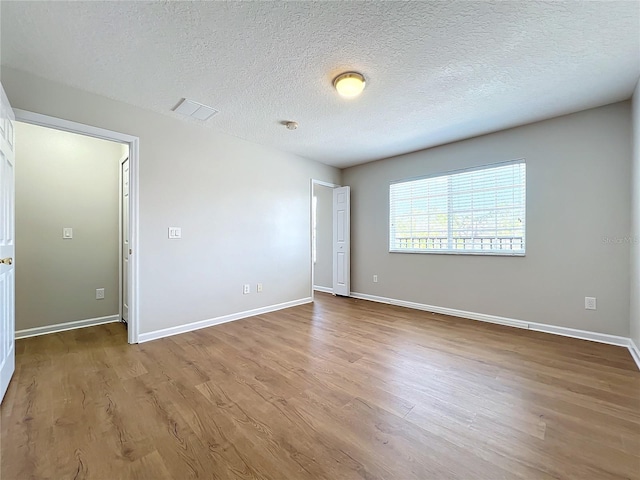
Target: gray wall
{"points": [[635, 222], [65, 180], [323, 272], [578, 210], [243, 208]]}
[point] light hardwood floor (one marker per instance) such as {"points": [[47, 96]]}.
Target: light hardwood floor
{"points": [[342, 389]]}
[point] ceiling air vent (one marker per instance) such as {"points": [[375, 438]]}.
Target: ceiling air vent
{"points": [[194, 109]]}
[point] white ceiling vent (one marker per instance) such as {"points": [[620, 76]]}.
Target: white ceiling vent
{"points": [[194, 109]]}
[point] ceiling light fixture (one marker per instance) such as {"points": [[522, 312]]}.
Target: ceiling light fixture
{"points": [[291, 125], [349, 84]]}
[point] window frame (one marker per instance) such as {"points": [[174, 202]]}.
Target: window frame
{"points": [[490, 253]]}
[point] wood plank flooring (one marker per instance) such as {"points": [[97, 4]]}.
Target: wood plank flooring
{"points": [[339, 389]]}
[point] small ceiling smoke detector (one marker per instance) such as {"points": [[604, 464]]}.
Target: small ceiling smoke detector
{"points": [[291, 125], [349, 84], [194, 109]]}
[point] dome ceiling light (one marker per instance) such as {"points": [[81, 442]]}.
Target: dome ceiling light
{"points": [[349, 84]]}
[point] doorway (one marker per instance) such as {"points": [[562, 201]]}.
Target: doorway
{"points": [[122, 292], [322, 238], [330, 238]]}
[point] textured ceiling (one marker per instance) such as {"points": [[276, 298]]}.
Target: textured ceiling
{"points": [[436, 71]]}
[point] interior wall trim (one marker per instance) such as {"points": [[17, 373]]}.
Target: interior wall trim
{"points": [[190, 327], [511, 322], [62, 327]]}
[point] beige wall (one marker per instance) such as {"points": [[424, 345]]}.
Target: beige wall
{"points": [[243, 208], [323, 272], [65, 180], [578, 209], [635, 222]]}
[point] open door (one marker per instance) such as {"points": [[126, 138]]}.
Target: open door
{"points": [[7, 244], [125, 240], [341, 241]]}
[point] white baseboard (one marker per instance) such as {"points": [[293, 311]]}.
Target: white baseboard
{"points": [[581, 334], [635, 352], [61, 327], [189, 327], [511, 322], [445, 311], [318, 288]]}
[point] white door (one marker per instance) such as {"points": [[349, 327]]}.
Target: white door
{"points": [[7, 245], [125, 240], [341, 241]]}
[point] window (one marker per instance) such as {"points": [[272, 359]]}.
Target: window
{"points": [[477, 211]]}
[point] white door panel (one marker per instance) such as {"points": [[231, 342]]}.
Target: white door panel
{"points": [[125, 240], [341, 273], [7, 244], [341, 241]]}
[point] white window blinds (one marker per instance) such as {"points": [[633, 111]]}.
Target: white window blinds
{"points": [[479, 211]]}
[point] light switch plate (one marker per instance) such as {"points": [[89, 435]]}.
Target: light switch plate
{"points": [[175, 232], [67, 233]]}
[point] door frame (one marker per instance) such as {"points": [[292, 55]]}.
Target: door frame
{"points": [[321, 183], [133, 326]]}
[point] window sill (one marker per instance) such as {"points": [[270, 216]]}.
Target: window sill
{"points": [[475, 254]]}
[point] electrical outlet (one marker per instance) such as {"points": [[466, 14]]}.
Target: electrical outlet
{"points": [[246, 289], [375, 279], [590, 303], [259, 288], [175, 232], [99, 293]]}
